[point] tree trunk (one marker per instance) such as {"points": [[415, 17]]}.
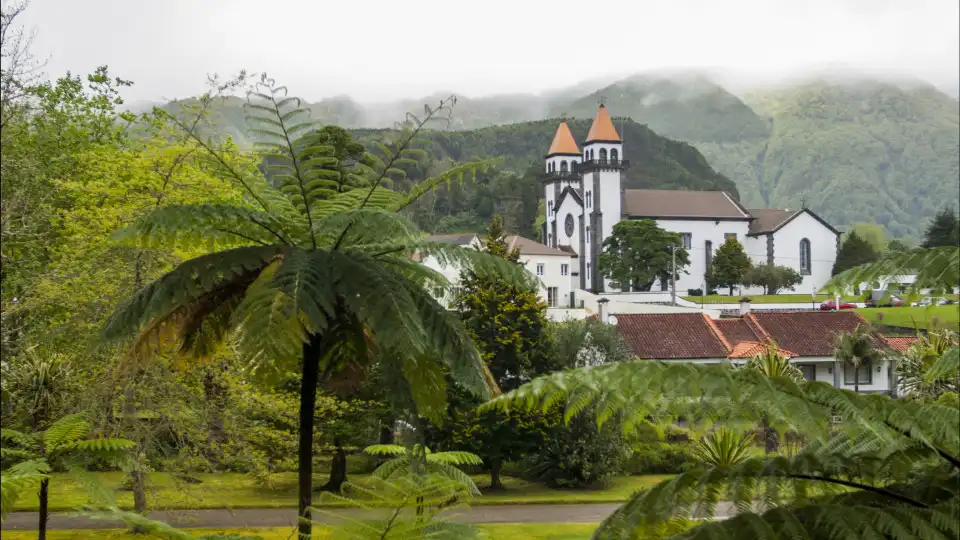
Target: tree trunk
{"points": [[731, 290], [496, 465], [139, 495], [338, 470], [215, 394], [770, 438], [312, 351], [44, 496], [856, 378]]}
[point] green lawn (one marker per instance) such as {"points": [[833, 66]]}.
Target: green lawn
{"points": [[924, 317], [769, 299], [526, 531], [233, 490]]}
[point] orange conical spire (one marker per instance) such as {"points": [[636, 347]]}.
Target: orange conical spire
{"points": [[563, 142], [602, 128]]}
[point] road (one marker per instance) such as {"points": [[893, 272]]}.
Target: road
{"points": [[286, 517]]}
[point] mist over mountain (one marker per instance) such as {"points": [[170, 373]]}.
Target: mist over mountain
{"points": [[851, 147]]}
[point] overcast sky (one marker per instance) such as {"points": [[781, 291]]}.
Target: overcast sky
{"points": [[380, 50]]}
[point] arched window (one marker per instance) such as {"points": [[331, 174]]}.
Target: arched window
{"points": [[805, 257], [563, 166], [603, 155], [573, 165], [586, 154], [614, 155], [591, 154]]}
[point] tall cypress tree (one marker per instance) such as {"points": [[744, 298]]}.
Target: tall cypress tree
{"points": [[944, 229], [853, 252]]}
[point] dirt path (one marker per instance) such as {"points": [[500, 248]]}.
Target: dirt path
{"points": [[283, 517]]}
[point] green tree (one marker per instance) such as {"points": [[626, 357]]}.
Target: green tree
{"points": [[505, 320], [914, 367], [897, 246], [872, 233], [590, 342], [638, 253], [729, 265], [300, 276], [772, 278], [943, 230], [856, 349], [854, 251]]}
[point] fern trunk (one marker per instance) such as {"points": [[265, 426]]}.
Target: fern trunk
{"points": [[44, 514], [312, 352]]}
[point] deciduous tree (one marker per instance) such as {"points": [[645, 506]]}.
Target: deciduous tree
{"points": [[729, 265], [638, 253], [772, 278]]}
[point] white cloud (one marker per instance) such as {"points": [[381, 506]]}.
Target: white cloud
{"points": [[379, 50]]}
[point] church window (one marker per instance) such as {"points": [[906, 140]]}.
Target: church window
{"points": [[588, 235], [687, 239], [589, 199], [614, 155], [564, 269], [586, 154], [563, 166], [708, 247], [603, 155], [588, 270], [805, 257], [539, 269]]}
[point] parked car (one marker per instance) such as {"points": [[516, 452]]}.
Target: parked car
{"points": [[931, 301], [830, 305]]}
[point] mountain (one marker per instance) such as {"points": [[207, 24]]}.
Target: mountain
{"points": [[514, 189], [850, 149]]}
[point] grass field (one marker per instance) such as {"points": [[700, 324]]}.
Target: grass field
{"points": [[768, 299], [933, 317], [522, 531], [234, 490]]}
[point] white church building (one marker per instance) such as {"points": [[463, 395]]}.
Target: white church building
{"points": [[585, 198]]}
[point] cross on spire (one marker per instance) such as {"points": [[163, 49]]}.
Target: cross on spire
{"points": [[602, 101], [563, 116]]}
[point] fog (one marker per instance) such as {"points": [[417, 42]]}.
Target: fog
{"points": [[381, 51]]}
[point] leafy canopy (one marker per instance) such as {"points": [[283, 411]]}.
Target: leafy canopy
{"points": [[729, 265], [639, 253]]}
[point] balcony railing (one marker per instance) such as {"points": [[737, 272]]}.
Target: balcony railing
{"points": [[587, 164]]}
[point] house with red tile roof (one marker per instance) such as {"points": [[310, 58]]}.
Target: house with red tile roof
{"points": [[807, 338]]}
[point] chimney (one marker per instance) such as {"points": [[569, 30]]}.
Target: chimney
{"points": [[602, 308], [744, 306]]}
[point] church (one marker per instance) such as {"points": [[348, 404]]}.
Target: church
{"points": [[585, 198]]}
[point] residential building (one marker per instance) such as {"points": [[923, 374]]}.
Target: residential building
{"points": [[808, 339]]}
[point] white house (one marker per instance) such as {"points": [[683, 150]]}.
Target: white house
{"points": [[807, 338], [585, 199], [553, 268]]}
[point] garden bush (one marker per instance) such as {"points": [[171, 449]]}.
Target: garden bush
{"points": [[660, 458], [578, 454]]}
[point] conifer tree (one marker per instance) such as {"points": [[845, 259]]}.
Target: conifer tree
{"points": [[853, 252], [729, 266], [944, 230]]}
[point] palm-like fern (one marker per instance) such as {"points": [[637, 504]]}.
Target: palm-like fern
{"points": [[889, 469], [937, 268], [915, 366], [723, 447], [445, 464], [65, 443], [307, 272]]}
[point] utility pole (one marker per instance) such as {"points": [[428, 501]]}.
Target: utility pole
{"points": [[673, 275]]}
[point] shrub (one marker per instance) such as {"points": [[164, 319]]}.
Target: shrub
{"points": [[694, 292], [578, 454], [660, 458]]}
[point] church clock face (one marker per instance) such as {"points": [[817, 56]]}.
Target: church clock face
{"points": [[568, 225]]}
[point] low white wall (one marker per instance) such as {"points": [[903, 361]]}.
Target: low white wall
{"points": [[565, 314]]}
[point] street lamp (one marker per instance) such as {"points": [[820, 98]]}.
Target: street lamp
{"points": [[813, 298]]}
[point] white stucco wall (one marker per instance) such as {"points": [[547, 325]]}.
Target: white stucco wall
{"points": [[823, 250], [571, 207], [552, 276], [701, 231]]}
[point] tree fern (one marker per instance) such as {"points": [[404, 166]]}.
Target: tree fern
{"points": [[889, 467], [313, 267], [937, 268]]}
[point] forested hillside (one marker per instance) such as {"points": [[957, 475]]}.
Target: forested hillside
{"points": [[515, 189], [856, 151]]}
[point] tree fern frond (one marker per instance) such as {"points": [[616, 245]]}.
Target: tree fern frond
{"points": [[17, 480], [385, 450], [936, 268], [456, 174], [65, 431], [455, 458]]}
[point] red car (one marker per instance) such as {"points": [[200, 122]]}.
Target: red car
{"points": [[830, 305]]}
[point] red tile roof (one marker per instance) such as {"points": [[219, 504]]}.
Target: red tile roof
{"points": [[807, 333], [670, 335], [901, 344], [749, 349], [736, 330], [695, 335]]}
